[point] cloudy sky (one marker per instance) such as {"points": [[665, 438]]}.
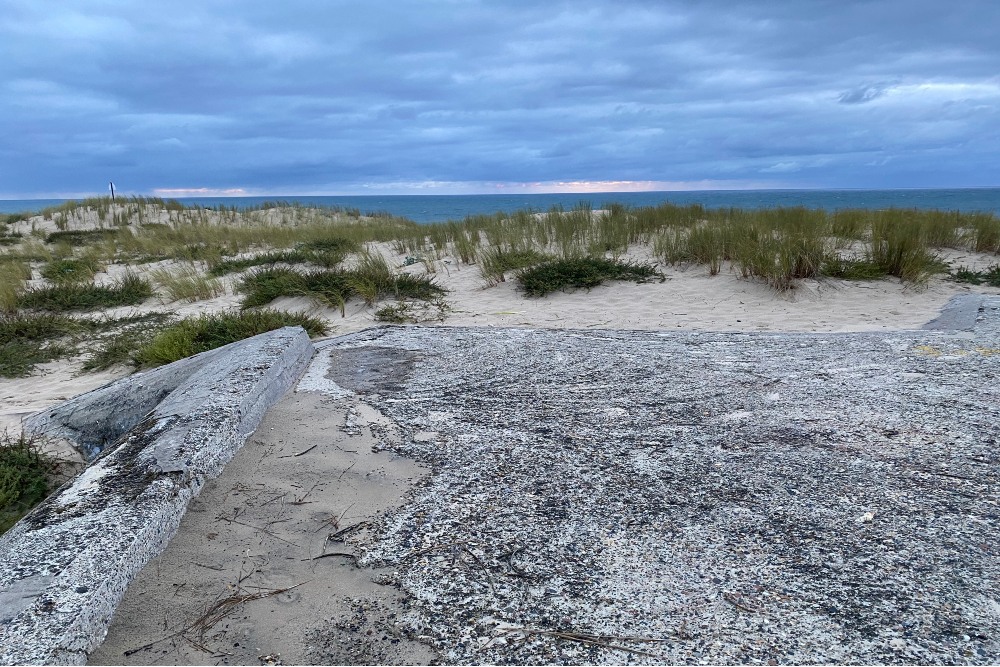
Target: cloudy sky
{"points": [[454, 96]]}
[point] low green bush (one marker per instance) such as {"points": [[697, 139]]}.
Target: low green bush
{"points": [[27, 476], [128, 290], [585, 272], [71, 270], [990, 276]]}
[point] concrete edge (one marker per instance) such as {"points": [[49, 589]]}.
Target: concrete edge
{"points": [[65, 567], [959, 314], [97, 418]]}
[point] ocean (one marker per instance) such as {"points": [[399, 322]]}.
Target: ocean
{"points": [[438, 208]]}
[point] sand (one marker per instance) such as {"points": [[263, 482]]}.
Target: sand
{"points": [[301, 489]]}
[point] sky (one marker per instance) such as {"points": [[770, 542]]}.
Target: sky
{"points": [[241, 97]]}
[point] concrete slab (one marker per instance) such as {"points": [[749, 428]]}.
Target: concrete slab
{"points": [[65, 566], [616, 497]]}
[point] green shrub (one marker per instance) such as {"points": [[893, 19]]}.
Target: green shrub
{"points": [[585, 272], [991, 276], [207, 332], [129, 290], [27, 476], [71, 270]]}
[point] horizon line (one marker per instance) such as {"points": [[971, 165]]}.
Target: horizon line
{"points": [[233, 193]]}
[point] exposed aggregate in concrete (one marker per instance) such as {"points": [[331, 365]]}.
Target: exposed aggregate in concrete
{"points": [[745, 498]]}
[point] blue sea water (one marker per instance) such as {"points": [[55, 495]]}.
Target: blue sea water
{"points": [[437, 208]]}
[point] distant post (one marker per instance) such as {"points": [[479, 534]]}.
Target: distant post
{"points": [[111, 183]]}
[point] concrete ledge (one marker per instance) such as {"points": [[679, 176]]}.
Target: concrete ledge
{"points": [[65, 567], [961, 313]]}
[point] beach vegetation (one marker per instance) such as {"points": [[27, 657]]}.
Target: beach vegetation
{"points": [[370, 280], [72, 269], [235, 265], [27, 340], [13, 275], [129, 290], [115, 341], [989, 276], [496, 261], [192, 335], [582, 272], [27, 476], [413, 312], [80, 237], [186, 283]]}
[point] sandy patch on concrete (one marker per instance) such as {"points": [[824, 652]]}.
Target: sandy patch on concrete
{"points": [[305, 486]]}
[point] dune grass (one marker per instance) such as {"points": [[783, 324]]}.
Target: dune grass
{"points": [[581, 272], [114, 341], [371, 280], [186, 283], [496, 261], [80, 237], [13, 275], [777, 246], [207, 332], [990, 276], [72, 270], [27, 340], [129, 290], [27, 476]]}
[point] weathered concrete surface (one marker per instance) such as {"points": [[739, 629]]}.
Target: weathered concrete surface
{"points": [[741, 498], [959, 314], [64, 567], [100, 417]]}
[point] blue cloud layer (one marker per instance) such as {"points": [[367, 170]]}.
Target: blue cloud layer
{"points": [[340, 97]]}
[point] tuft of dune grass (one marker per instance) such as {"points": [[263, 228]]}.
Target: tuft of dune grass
{"points": [[207, 332]]}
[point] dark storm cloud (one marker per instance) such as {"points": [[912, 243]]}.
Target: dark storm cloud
{"points": [[302, 96]]}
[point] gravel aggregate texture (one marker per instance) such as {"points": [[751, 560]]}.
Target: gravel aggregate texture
{"points": [[644, 497]]}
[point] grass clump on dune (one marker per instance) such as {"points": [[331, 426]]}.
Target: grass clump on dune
{"points": [[129, 290], [207, 332], [990, 276], [186, 284], [585, 272], [226, 266], [30, 339], [71, 270], [13, 275], [496, 261], [327, 253], [27, 477], [371, 280], [116, 340], [78, 237]]}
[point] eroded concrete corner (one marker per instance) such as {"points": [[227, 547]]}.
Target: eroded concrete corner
{"points": [[65, 566]]}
